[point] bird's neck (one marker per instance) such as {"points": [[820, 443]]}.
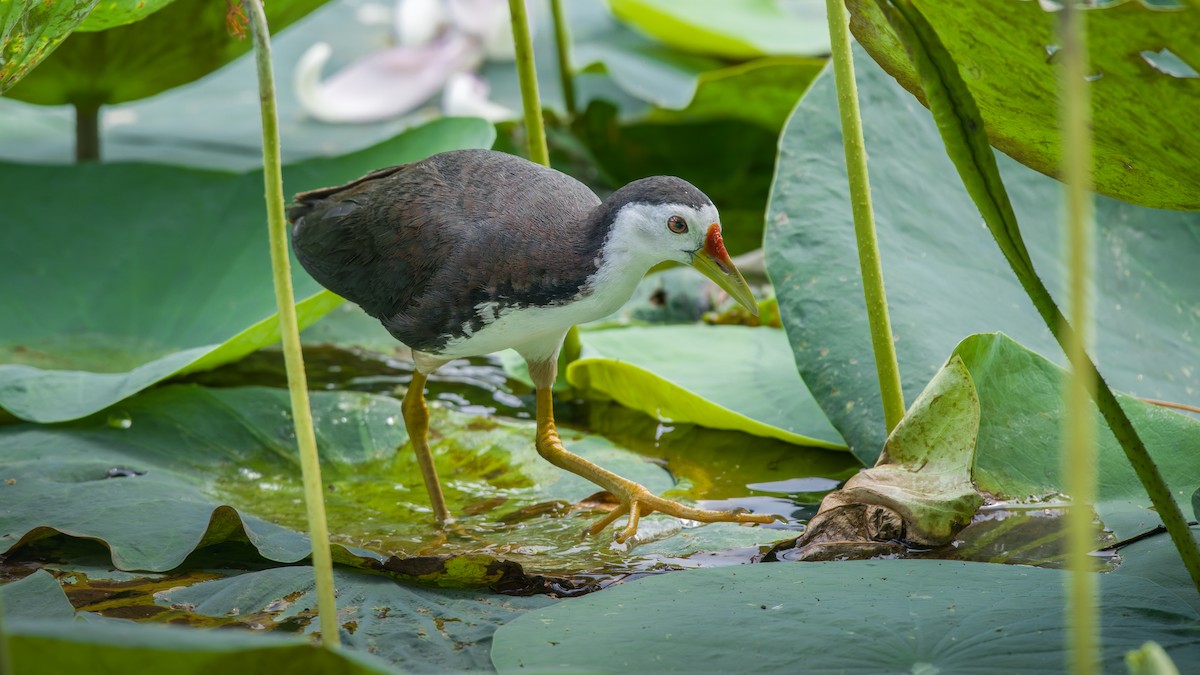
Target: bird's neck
{"points": [[621, 262]]}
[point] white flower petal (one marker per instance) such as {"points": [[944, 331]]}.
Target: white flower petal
{"points": [[418, 22], [466, 95], [384, 84]]}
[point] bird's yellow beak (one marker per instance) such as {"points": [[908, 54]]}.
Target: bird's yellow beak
{"points": [[713, 262]]}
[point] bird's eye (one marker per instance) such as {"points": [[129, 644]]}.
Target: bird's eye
{"points": [[677, 225]]}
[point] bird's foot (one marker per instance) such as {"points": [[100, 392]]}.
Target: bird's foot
{"points": [[637, 501]]}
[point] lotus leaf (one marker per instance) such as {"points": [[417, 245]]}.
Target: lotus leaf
{"points": [[179, 43], [113, 13], [1144, 147], [31, 29], [721, 377], [902, 616], [110, 293], [945, 276], [731, 30]]}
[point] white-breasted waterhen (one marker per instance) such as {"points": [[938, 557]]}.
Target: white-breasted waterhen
{"points": [[473, 251]]}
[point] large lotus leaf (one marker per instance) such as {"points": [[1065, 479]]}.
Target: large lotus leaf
{"points": [[419, 629], [50, 647], [945, 277], [1020, 437], [738, 30], [31, 29], [179, 43], [110, 291], [763, 91], [722, 377], [1143, 87], [879, 616], [162, 473], [113, 13]]}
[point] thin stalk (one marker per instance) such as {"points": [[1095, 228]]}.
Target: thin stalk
{"points": [[562, 40], [87, 132], [535, 130], [886, 366], [310, 465], [1079, 434]]}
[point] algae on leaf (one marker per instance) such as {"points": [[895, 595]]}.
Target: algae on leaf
{"points": [[31, 29]]}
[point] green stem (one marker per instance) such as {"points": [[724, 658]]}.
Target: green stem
{"points": [[87, 132], [1079, 433], [6, 667], [534, 127], [886, 366], [310, 465], [562, 40]]}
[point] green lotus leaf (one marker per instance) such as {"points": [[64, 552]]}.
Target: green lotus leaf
{"points": [[1020, 437], [903, 616], [109, 291], [179, 43], [721, 377], [51, 647], [37, 596], [419, 629], [1144, 88], [178, 468], [738, 30], [113, 13], [944, 275], [31, 29]]}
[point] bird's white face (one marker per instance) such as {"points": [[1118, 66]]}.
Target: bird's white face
{"points": [[659, 232], [646, 234]]}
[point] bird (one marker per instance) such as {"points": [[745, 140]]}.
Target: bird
{"points": [[471, 252]]}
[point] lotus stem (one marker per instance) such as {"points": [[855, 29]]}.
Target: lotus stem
{"points": [[535, 129], [1079, 433], [886, 367], [87, 132], [562, 40], [306, 439]]}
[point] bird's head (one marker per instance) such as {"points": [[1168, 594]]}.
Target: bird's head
{"points": [[666, 218]]}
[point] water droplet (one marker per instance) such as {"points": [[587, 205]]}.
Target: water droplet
{"points": [[390, 421], [120, 419]]}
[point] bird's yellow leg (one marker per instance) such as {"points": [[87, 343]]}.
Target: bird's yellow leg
{"points": [[416, 421], [635, 499]]}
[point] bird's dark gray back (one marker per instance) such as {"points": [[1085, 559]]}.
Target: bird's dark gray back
{"points": [[420, 246]]}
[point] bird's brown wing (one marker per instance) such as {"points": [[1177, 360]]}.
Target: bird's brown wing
{"points": [[420, 246]]}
